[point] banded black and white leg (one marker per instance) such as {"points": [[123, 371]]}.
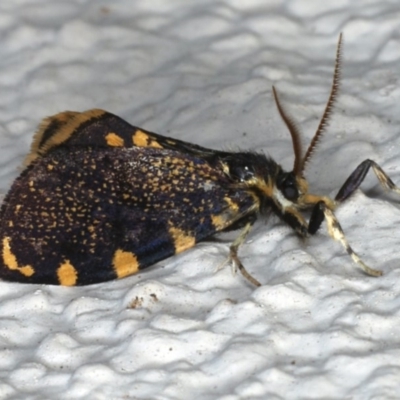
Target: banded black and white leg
{"points": [[321, 211]]}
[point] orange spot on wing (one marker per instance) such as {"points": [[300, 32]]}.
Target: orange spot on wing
{"points": [[219, 221], [125, 263], [67, 275], [182, 240], [227, 217], [142, 139], [114, 140], [10, 260]]}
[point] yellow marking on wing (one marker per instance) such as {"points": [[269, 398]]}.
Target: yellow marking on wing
{"points": [[227, 217], [114, 140], [60, 119], [232, 212], [219, 221], [182, 240], [125, 263], [232, 205], [10, 260], [67, 275], [142, 139], [69, 122]]}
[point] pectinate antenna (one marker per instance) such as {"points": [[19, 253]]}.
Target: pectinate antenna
{"points": [[328, 108]]}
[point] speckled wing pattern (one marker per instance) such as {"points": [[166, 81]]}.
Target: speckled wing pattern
{"points": [[98, 128], [101, 199]]}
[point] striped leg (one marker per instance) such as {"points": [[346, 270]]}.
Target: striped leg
{"points": [[358, 175], [336, 232], [322, 212]]}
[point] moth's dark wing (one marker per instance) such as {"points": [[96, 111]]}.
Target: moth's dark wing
{"points": [[81, 216], [99, 128]]}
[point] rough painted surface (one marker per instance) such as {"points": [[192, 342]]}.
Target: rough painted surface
{"points": [[203, 72]]}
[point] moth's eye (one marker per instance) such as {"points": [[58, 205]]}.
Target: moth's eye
{"points": [[290, 192], [241, 172], [287, 185]]}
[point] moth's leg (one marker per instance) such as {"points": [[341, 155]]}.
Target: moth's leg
{"points": [[336, 232], [233, 256], [358, 175], [317, 217], [323, 211], [295, 220], [246, 223], [349, 187]]}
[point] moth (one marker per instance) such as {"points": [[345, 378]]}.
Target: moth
{"points": [[101, 199]]}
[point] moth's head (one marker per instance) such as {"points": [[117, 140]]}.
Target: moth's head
{"points": [[264, 177]]}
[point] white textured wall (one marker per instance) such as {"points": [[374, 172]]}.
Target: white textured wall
{"points": [[202, 71]]}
